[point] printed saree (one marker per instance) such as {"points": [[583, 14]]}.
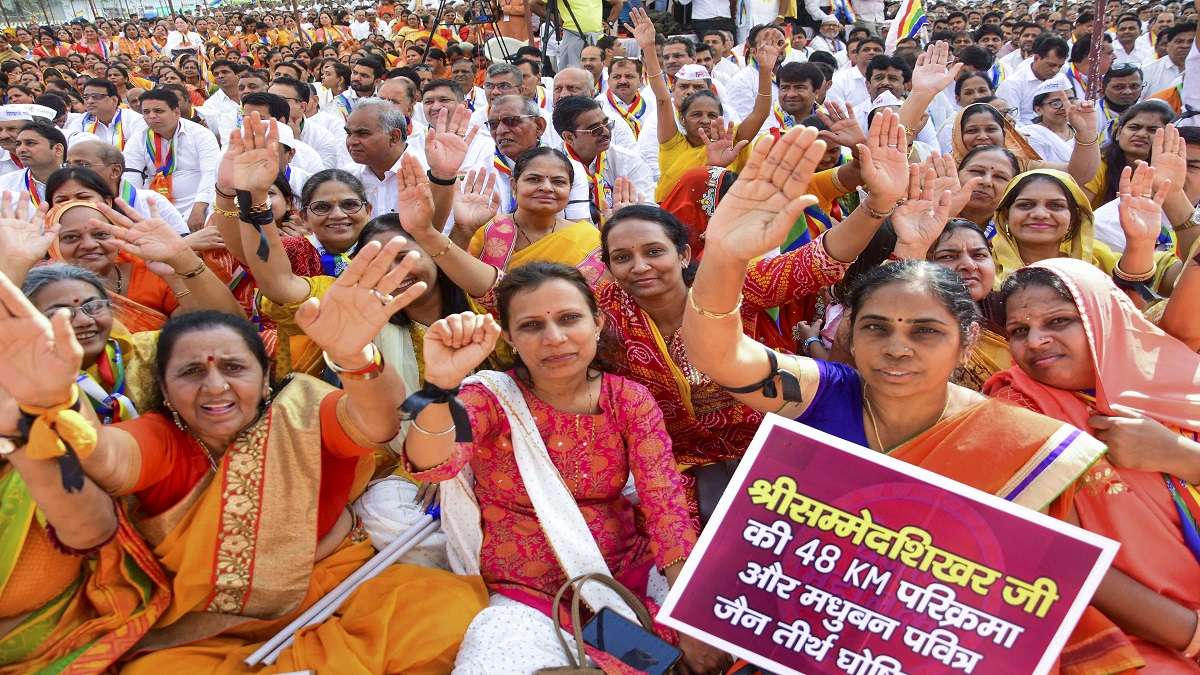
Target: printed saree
{"points": [[577, 245], [80, 616], [241, 545]]}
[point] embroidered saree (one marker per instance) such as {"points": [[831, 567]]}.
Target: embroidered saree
{"points": [[577, 245], [241, 543], [1140, 367], [72, 614]]}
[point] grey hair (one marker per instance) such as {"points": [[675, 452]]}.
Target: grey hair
{"points": [[505, 69], [528, 106], [43, 275], [390, 117], [107, 152]]}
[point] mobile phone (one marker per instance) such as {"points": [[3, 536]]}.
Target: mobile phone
{"points": [[612, 633]]}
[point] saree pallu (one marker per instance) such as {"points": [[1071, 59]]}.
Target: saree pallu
{"points": [[988, 356], [97, 611], [241, 546], [577, 245]]}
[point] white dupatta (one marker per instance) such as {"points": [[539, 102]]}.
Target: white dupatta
{"points": [[557, 512], [396, 346]]}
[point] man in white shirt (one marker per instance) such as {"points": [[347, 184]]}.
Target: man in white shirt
{"points": [[40, 148], [221, 109], [1122, 89], [365, 76], [623, 102], [1081, 63], [1162, 73], [329, 147], [360, 27], [12, 119], [708, 15], [504, 79], [109, 164], [587, 135], [444, 97], [104, 116], [463, 71], [272, 106], [183, 37], [1148, 40], [1028, 32], [850, 84], [829, 36], [725, 66], [1049, 55], [1126, 48], [743, 88], [578, 82], [516, 127], [179, 161], [376, 137]]}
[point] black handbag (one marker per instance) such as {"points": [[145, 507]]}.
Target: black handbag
{"points": [[711, 481]]}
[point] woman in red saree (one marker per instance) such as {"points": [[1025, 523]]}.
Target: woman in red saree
{"points": [[1085, 355]]}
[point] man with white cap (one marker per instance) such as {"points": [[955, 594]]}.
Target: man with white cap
{"points": [[829, 37], [12, 118], [41, 149], [104, 116], [90, 152]]}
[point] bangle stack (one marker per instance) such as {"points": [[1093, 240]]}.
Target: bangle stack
{"points": [[372, 370], [1095, 140], [1134, 278], [879, 214], [192, 274]]}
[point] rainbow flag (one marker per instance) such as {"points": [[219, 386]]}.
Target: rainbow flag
{"points": [[910, 18]]}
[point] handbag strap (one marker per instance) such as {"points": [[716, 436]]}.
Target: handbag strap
{"points": [[634, 602]]}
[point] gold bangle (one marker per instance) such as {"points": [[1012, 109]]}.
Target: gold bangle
{"points": [[878, 214], [1134, 278], [651, 77], [764, 95], [1089, 144], [200, 269], [427, 432], [444, 251], [222, 212], [265, 206], [713, 315], [179, 295]]}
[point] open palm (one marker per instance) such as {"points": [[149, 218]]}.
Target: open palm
{"points": [[478, 202], [719, 144], [934, 71], [884, 159], [1140, 209], [456, 345], [414, 203], [252, 158], [757, 213], [359, 303], [150, 239], [39, 357], [1168, 156], [922, 217], [23, 239], [447, 140]]}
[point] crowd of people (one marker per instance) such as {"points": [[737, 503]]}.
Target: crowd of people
{"points": [[275, 283]]}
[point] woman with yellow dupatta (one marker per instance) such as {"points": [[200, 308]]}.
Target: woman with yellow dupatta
{"points": [[243, 490], [541, 181], [78, 586], [1044, 214], [1085, 355], [911, 325]]}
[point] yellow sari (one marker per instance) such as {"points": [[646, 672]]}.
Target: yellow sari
{"points": [[76, 616], [577, 245], [677, 156], [989, 356], [241, 548]]}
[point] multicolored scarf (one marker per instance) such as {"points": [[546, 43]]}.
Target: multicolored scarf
{"points": [[129, 193], [632, 114], [1078, 79], [500, 162], [332, 264], [31, 186], [90, 122], [994, 74], [599, 189], [108, 394], [541, 97], [164, 162], [344, 104], [1187, 503]]}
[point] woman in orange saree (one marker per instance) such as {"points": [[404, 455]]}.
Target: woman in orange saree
{"points": [[243, 492], [1085, 355]]}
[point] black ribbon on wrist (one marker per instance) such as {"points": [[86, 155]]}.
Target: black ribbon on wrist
{"points": [[445, 182], [257, 220], [431, 393]]}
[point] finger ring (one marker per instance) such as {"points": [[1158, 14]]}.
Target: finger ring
{"points": [[384, 298]]}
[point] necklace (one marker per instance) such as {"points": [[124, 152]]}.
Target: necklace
{"points": [[212, 462], [120, 289], [875, 423], [521, 231]]}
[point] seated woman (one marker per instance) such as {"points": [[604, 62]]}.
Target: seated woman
{"points": [[699, 136], [1051, 134], [541, 186], [1044, 214], [554, 436], [1133, 140], [1086, 356], [249, 542], [911, 325]]}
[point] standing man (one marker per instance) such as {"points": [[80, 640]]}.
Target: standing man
{"points": [[709, 15], [104, 117], [174, 157], [581, 22], [41, 148]]}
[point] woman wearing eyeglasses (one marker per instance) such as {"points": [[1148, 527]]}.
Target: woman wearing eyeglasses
{"points": [[1051, 134]]}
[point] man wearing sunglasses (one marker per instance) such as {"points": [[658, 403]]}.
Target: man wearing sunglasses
{"points": [[587, 135], [104, 117]]}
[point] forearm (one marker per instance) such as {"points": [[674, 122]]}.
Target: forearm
{"points": [[1181, 318], [81, 520], [204, 291], [1141, 612], [709, 341], [443, 204], [1085, 161], [426, 451], [913, 108], [274, 275], [1179, 210], [852, 235], [1137, 259], [467, 272], [15, 269], [372, 404], [229, 227], [195, 219]]}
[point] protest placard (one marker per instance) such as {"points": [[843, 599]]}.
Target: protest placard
{"points": [[827, 557]]}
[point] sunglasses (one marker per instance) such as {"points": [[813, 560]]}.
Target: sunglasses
{"points": [[510, 121]]}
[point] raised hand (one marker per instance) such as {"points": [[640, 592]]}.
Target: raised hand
{"points": [[768, 56], [884, 161], [39, 357], [360, 302], [23, 239], [719, 144], [456, 345], [946, 171], [934, 71], [624, 194], [251, 159], [1140, 207], [414, 202], [447, 141], [205, 239], [842, 125], [1081, 115], [921, 218], [150, 239], [757, 213], [478, 202], [642, 29], [1168, 156]]}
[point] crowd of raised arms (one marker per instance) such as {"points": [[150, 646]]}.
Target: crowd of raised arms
{"points": [[274, 283]]}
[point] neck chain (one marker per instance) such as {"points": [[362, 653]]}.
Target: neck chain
{"points": [[212, 462], [120, 287], [875, 423], [521, 231]]}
